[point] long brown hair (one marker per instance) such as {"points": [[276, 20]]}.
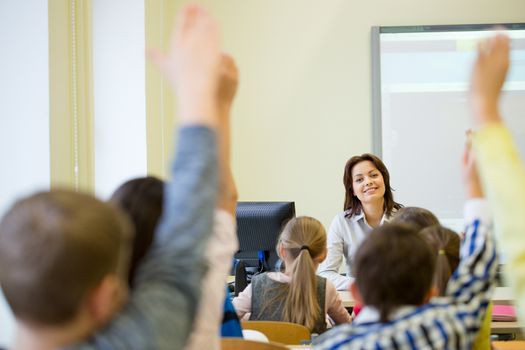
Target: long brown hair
{"points": [[142, 199], [304, 239], [352, 203], [445, 244]]}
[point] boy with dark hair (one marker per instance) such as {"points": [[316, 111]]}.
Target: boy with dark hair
{"points": [[394, 274], [62, 254], [406, 268]]}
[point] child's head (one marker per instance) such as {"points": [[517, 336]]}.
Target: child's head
{"points": [[142, 200], [302, 246], [62, 256], [418, 217], [394, 267], [445, 245]]}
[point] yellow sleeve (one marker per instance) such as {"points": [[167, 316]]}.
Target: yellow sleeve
{"points": [[503, 177], [482, 340]]}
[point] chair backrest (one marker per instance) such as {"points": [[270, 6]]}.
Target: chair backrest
{"points": [[243, 344], [281, 332]]}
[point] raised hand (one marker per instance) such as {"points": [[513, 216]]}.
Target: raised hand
{"points": [[191, 65], [488, 76], [470, 172], [228, 82]]}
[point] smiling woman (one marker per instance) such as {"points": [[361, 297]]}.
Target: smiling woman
{"points": [[369, 202]]}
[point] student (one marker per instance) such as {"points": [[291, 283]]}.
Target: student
{"points": [[394, 272], [142, 198], [297, 295], [501, 170], [369, 202], [416, 216], [63, 255], [445, 245]]}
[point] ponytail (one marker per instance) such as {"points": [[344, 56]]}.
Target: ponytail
{"points": [[443, 271], [445, 244], [301, 304]]}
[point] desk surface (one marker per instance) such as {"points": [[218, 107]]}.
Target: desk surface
{"points": [[502, 296]]}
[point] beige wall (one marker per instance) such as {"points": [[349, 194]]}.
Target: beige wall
{"points": [[304, 104]]}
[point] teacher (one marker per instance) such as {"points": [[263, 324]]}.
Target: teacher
{"points": [[369, 202]]}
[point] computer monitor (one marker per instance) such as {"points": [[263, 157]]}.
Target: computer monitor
{"points": [[258, 227]]}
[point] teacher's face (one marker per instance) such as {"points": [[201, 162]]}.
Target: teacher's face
{"points": [[367, 182]]}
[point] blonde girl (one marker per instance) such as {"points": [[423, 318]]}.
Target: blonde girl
{"points": [[296, 295]]}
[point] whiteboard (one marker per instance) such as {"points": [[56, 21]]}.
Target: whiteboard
{"points": [[420, 108]]}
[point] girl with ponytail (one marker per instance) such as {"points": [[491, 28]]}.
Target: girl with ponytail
{"points": [[296, 295], [445, 244]]}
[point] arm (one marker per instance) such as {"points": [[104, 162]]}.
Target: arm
{"points": [[223, 243], [162, 307], [243, 302], [329, 269], [221, 247], [502, 172], [334, 305], [472, 283]]}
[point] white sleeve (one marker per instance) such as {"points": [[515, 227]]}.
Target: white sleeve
{"points": [[329, 269], [243, 302], [220, 250]]}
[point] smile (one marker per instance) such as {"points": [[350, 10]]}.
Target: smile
{"points": [[371, 190]]}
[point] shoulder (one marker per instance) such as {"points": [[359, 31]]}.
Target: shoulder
{"points": [[342, 219], [321, 280], [331, 291], [342, 222], [332, 337], [260, 277]]}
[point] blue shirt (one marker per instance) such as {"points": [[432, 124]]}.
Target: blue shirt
{"points": [[161, 309]]}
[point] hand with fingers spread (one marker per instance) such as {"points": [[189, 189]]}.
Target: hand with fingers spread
{"points": [[191, 65], [488, 76]]}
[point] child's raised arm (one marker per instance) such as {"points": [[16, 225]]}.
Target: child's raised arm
{"points": [[501, 170], [162, 307], [223, 243]]}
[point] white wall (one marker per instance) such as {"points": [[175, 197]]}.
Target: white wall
{"points": [[24, 99], [304, 105], [119, 93], [24, 110]]}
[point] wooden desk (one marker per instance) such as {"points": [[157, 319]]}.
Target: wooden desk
{"points": [[505, 327], [345, 295], [502, 296]]}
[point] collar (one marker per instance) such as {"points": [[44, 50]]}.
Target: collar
{"points": [[361, 216], [369, 314]]}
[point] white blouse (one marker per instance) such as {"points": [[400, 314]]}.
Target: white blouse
{"points": [[344, 236]]}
